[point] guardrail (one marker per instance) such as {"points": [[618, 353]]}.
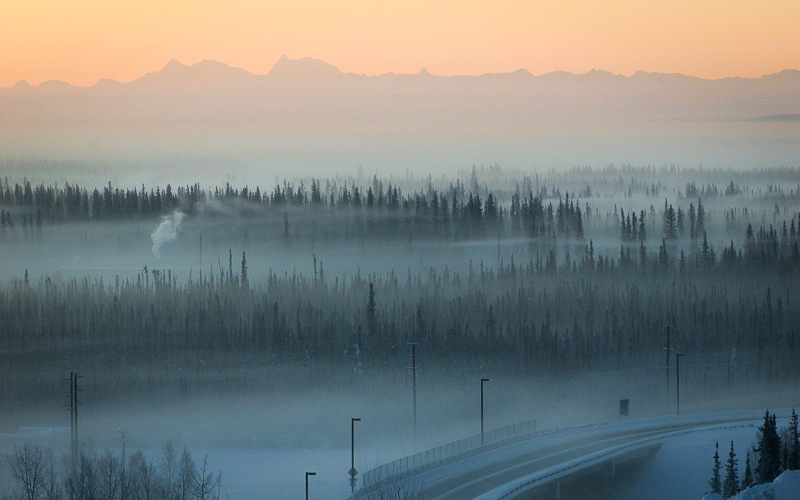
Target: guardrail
{"points": [[402, 467], [397, 470]]}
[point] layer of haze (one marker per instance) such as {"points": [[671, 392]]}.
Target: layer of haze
{"points": [[86, 40], [264, 421]]}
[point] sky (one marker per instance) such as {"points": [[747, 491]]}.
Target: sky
{"points": [[81, 41]]}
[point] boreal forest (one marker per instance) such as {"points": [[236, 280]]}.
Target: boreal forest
{"points": [[533, 275]]}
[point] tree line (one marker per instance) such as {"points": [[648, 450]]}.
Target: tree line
{"points": [[87, 475], [775, 451], [514, 207], [551, 314]]}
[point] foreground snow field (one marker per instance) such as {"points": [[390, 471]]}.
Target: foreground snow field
{"points": [[785, 487], [680, 469]]}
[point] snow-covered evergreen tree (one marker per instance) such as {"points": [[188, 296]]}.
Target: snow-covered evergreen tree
{"points": [[794, 448], [731, 485], [715, 482], [769, 450], [747, 480]]}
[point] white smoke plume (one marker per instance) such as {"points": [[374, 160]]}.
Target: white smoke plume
{"points": [[166, 231]]}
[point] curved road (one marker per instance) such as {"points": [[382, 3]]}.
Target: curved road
{"points": [[479, 474]]}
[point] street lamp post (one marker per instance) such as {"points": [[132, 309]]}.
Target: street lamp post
{"points": [[678, 379], [482, 382], [308, 474], [414, 387], [353, 470]]}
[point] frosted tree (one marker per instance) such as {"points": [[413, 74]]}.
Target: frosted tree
{"points": [[769, 450], [715, 481], [207, 483], [747, 480], [794, 449], [670, 222], [29, 469], [731, 485]]}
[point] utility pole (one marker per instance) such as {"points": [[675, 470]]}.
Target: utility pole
{"points": [[353, 472], [75, 409], [667, 366], [498, 253], [123, 432], [482, 382], [414, 387], [678, 379], [73, 412]]}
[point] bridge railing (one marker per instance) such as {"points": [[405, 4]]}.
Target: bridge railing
{"points": [[448, 452], [516, 488]]}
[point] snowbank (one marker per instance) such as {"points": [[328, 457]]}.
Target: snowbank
{"points": [[785, 487]]}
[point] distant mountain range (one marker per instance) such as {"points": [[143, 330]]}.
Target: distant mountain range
{"points": [[309, 92]]}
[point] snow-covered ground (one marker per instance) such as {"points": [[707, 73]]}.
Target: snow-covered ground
{"points": [[682, 467], [264, 444], [246, 472], [785, 487]]}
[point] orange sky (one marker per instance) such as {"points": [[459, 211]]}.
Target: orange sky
{"points": [[80, 41]]}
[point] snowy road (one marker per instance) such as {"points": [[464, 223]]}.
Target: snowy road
{"points": [[506, 471]]}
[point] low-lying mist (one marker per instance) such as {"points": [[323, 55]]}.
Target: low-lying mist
{"points": [[214, 153], [262, 438], [252, 323]]}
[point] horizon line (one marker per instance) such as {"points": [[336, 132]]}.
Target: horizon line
{"points": [[423, 71]]}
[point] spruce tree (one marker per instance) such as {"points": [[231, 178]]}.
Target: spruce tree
{"points": [[642, 256], [701, 217], [371, 313], [244, 281], [785, 461], [747, 480], [731, 485], [715, 483], [794, 451], [776, 444], [670, 222], [705, 255], [642, 228], [769, 450], [663, 258]]}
